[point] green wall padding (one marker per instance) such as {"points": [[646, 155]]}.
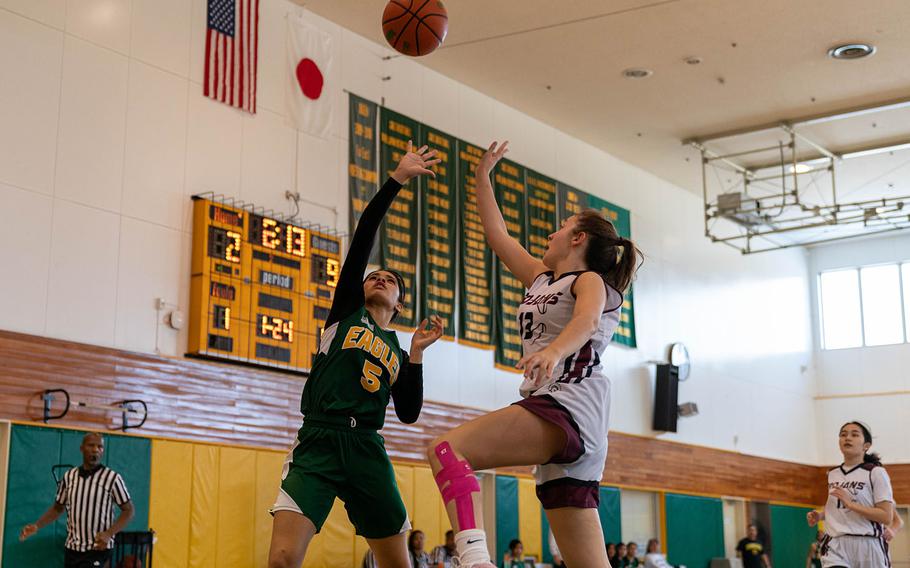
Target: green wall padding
{"points": [[610, 512], [790, 536], [34, 450], [506, 514], [695, 530], [30, 491], [545, 535]]}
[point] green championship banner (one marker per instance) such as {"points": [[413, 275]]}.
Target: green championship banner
{"points": [[438, 216], [475, 322], [363, 177], [398, 235], [571, 201], [511, 193], [541, 211]]}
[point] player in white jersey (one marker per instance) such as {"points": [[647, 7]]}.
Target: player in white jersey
{"points": [[860, 505], [567, 318]]}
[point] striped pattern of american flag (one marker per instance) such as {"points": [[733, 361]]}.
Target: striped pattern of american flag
{"points": [[231, 52]]}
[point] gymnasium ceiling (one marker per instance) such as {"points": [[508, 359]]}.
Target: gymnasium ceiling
{"points": [[763, 61]]}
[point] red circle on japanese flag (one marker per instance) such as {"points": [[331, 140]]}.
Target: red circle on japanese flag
{"points": [[309, 77]]}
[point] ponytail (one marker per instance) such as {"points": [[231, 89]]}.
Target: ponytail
{"points": [[615, 258], [872, 458]]}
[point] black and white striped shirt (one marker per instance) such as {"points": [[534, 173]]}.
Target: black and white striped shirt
{"points": [[89, 498]]}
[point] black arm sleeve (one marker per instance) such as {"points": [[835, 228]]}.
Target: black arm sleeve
{"points": [[407, 392], [349, 291]]}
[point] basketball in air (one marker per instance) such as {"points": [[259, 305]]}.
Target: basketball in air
{"points": [[415, 27]]}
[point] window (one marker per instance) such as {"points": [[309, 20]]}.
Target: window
{"points": [[640, 518], [864, 306]]}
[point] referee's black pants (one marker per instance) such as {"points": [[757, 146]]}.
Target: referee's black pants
{"points": [[88, 559]]}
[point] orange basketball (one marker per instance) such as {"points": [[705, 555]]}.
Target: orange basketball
{"points": [[415, 27]]}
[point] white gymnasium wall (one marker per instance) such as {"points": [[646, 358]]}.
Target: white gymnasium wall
{"points": [[857, 377], [106, 134]]}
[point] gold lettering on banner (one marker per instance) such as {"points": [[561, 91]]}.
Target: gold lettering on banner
{"points": [[362, 174], [510, 183], [438, 217], [439, 275], [400, 128], [478, 308], [437, 141], [402, 222], [573, 208], [541, 204], [439, 261], [400, 236], [436, 185], [479, 273], [610, 214], [472, 219], [474, 235], [572, 196], [544, 224], [441, 292], [363, 109], [406, 269], [477, 318], [474, 254], [511, 354], [477, 290], [394, 142], [508, 169], [514, 228], [442, 248], [440, 202], [512, 296], [406, 194], [364, 153], [401, 207], [438, 306], [510, 212], [537, 240], [438, 231]]}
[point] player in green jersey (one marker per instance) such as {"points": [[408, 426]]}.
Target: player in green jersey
{"points": [[359, 366]]}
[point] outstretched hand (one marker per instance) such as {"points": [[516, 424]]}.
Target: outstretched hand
{"points": [[492, 156], [413, 164], [425, 335], [27, 531]]}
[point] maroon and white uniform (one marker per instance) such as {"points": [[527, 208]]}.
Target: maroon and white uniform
{"points": [[576, 396], [850, 539]]}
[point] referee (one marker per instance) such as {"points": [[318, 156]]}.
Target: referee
{"points": [[87, 494]]}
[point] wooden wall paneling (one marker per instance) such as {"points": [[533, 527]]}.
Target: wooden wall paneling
{"points": [[192, 399]]}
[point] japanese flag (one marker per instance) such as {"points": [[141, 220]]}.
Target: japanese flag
{"points": [[309, 95]]}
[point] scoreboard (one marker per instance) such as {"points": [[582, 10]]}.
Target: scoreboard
{"points": [[261, 289]]}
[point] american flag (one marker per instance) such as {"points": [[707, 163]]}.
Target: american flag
{"points": [[231, 53]]}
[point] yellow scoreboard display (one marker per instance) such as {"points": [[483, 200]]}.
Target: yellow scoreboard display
{"points": [[261, 288]]}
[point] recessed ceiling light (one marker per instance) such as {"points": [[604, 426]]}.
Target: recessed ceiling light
{"points": [[637, 73], [800, 169], [851, 51]]}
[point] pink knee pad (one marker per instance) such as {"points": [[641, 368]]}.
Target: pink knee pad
{"points": [[456, 482]]}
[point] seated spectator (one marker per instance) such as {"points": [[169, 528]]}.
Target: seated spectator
{"points": [[611, 553], [514, 558], [419, 557], [620, 556], [441, 557], [653, 556], [632, 560]]}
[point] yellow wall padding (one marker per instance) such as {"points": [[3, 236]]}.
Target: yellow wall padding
{"points": [[169, 506], [404, 476], [236, 507], [426, 510], [268, 479], [209, 506], [529, 527], [204, 507]]}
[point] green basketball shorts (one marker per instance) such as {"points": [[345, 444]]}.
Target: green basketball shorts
{"points": [[331, 460]]}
